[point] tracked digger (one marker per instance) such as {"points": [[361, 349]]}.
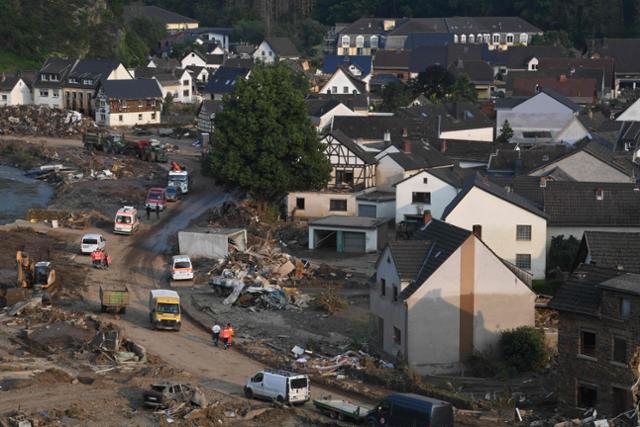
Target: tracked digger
{"points": [[39, 277]]}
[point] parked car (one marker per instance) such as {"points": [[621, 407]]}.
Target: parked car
{"points": [[163, 394], [173, 193], [408, 409], [156, 197], [92, 242], [281, 386], [181, 268]]}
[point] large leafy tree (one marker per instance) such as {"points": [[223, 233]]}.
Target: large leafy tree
{"points": [[264, 142], [435, 82], [463, 89]]}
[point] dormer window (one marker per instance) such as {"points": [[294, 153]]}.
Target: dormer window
{"points": [[599, 194], [87, 82], [496, 38], [346, 41], [360, 41], [43, 77], [524, 38], [374, 42], [510, 38]]}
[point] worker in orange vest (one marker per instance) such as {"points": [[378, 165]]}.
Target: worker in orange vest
{"points": [[96, 258], [225, 335]]}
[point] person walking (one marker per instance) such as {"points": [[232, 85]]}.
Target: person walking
{"points": [[148, 212], [227, 335], [157, 211], [215, 332]]}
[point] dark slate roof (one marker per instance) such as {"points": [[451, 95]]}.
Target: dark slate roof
{"points": [[224, 79], [423, 57], [445, 240], [490, 24], [483, 183], [283, 47], [238, 62], [561, 99], [453, 175], [517, 57], [352, 146], [132, 89], [158, 14], [330, 63], [575, 204], [374, 127], [214, 59], [477, 71], [470, 151], [377, 196], [408, 256], [628, 283], [605, 154], [522, 161], [165, 77], [7, 83], [512, 102], [624, 51], [352, 101], [416, 40], [320, 107], [210, 106], [422, 156], [606, 65], [91, 69], [55, 65], [420, 25], [166, 63], [614, 250], [581, 293], [394, 59], [365, 26], [524, 185]]}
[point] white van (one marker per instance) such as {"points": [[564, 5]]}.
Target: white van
{"points": [[181, 268], [91, 243], [281, 386]]}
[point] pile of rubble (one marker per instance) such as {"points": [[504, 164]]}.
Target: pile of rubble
{"points": [[42, 121]]}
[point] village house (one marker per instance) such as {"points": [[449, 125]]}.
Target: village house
{"points": [[627, 62], [218, 36], [128, 102], [610, 250], [603, 69], [205, 116], [443, 296], [273, 49], [163, 63], [539, 118], [342, 82], [174, 22], [81, 81], [353, 172], [223, 81], [511, 225], [521, 58], [196, 59], [177, 82], [322, 111], [48, 86], [14, 90], [598, 324]]}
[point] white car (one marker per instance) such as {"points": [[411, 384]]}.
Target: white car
{"points": [[181, 268], [92, 242]]}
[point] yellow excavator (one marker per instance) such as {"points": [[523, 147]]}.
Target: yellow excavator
{"points": [[38, 276]]}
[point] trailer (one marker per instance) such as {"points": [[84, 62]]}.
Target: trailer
{"points": [[342, 410], [114, 299]]}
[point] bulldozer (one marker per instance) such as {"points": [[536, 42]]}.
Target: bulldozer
{"points": [[37, 276]]}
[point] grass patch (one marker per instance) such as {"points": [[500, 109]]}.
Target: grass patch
{"points": [[9, 61], [547, 287]]}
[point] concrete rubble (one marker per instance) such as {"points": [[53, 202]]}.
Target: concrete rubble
{"points": [[42, 121]]}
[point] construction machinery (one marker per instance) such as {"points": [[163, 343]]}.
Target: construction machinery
{"points": [[38, 276], [144, 149]]}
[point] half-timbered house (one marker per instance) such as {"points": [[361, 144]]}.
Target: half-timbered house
{"points": [[353, 173], [128, 102]]}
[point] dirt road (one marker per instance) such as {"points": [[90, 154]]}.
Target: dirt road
{"points": [[138, 261]]}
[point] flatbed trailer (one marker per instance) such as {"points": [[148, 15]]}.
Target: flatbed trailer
{"points": [[342, 410], [114, 299]]}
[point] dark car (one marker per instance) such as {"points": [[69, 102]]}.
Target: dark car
{"points": [[411, 410], [173, 193], [164, 394]]}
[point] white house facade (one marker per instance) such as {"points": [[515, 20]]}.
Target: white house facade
{"points": [[344, 84], [423, 192], [193, 59], [14, 91]]}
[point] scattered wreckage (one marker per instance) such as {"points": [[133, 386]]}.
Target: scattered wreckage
{"points": [[168, 395]]}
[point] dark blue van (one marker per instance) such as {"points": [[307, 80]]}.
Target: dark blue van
{"points": [[411, 410]]}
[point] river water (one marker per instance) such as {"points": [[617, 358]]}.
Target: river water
{"points": [[18, 193]]}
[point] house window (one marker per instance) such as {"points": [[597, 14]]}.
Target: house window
{"points": [[496, 38], [510, 38], [153, 116], [345, 89], [44, 77], [374, 42], [395, 293], [523, 261], [338, 205], [54, 78], [587, 396], [44, 93], [300, 203], [622, 400], [588, 343], [421, 197], [103, 117], [359, 41], [383, 287], [4, 97], [397, 336], [472, 38], [463, 38], [523, 232], [599, 194], [346, 41], [477, 231], [486, 37], [620, 350], [55, 93], [139, 116], [344, 177], [334, 89], [534, 66], [425, 180], [185, 83], [524, 38], [479, 38], [120, 118], [87, 82], [185, 92], [625, 308], [455, 38]]}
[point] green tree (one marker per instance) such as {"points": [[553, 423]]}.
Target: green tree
{"points": [[435, 82], [264, 142], [562, 253], [167, 103], [394, 96], [523, 348], [506, 133], [249, 30], [463, 90]]}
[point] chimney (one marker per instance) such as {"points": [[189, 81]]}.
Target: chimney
{"points": [[563, 78], [599, 194], [443, 146], [387, 136], [406, 146], [426, 217], [543, 182]]}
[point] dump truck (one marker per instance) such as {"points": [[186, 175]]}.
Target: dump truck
{"points": [[114, 298], [164, 309], [180, 177]]}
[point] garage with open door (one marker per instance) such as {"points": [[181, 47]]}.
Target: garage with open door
{"points": [[348, 234]]}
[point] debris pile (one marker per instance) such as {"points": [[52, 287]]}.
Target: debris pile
{"points": [[68, 219], [42, 121]]}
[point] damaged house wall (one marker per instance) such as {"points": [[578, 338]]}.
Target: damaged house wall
{"points": [[210, 245]]}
